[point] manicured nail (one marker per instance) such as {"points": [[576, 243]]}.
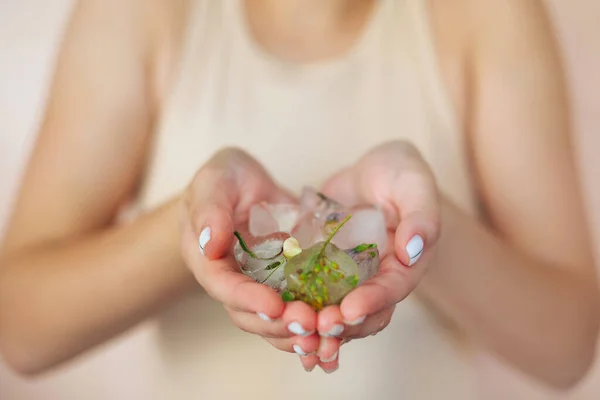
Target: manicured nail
{"points": [[357, 321], [299, 350], [331, 370], [297, 329], [309, 369], [414, 248], [264, 317], [204, 238], [332, 358], [335, 330]]}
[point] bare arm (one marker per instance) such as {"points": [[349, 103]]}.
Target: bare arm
{"points": [[70, 277], [526, 285]]}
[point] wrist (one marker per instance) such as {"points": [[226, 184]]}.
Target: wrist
{"points": [[169, 215]]}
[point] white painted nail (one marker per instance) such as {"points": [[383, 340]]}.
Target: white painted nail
{"points": [[299, 350], [414, 248], [335, 330], [297, 329], [204, 238], [332, 358], [263, 316], [357, 321]]}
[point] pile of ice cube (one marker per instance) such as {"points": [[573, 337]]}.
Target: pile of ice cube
{"points": [[355, 253]]}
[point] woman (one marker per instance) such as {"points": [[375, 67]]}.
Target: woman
{"points": [[323, 93]]}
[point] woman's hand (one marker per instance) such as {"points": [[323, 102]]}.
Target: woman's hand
{"points": [[395, 177], [219, 199]]}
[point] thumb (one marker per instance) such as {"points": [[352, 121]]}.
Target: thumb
{"points": [[213, 226], [416, 232], [415, 197], [211, 199]]}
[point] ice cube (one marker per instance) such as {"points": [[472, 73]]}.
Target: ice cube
{"points": [[266, 218], [317, 204], [266, 264], [308, 231], [366, 257], [351, 258], [367, 225], [321, 279]]}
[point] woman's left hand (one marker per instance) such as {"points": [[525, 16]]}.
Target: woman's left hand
{"points": [[395, 177]]}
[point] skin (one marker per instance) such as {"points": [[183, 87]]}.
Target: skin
{"points": [[522, 282]]}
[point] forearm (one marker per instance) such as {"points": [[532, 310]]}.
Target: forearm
{"points": [[58, 301], [542, 318]]}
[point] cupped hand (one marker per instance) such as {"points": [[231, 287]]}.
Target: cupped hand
{"points": [[217, 200], [395, 177]]}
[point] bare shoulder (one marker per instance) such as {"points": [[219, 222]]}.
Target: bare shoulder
{"points": [[167, 23], [497, 34], [153, 30], [451, 31], [513, 27]]}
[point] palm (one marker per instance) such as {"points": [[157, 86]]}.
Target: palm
{"points": [[396, 178]]}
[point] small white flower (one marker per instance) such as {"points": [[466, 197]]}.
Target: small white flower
{"points": [[291, 248]]}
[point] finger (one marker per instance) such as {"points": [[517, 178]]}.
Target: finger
{"points": [[328, 349], [309, 362], [300, 318], [252, 323], [331, 322], [303, 346], [232, 181], [329, 354], [392, 283], [306, 346], [416, 233], [224, 282], [371, 326], [213, 225], [414, 195]]}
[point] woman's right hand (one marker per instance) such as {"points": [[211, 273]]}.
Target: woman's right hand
{"points": [[219, 199]]}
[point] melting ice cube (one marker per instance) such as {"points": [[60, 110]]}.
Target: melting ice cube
{"points": [[355, 248]]}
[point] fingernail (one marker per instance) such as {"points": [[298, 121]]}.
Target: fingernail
{"points": [[299, 350], [331, 370], [297, 329], [309, 369], [335, 330], [264, 317], [332, 358], [204, 238], [357, 321], [414, 248]]}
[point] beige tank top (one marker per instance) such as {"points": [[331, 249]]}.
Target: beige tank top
{"points": [[304, 122]]}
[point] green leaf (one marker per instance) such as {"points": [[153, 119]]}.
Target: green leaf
{"points": [[247, 250], [318, 256], [334, 232], [287, 296], [273, 265], [362, 247], [244, 245], [322, 196]]}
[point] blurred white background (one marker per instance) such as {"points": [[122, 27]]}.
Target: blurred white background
{"points": [[30, 31]]}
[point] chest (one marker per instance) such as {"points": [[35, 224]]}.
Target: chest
{"points": [[304, 125]]}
